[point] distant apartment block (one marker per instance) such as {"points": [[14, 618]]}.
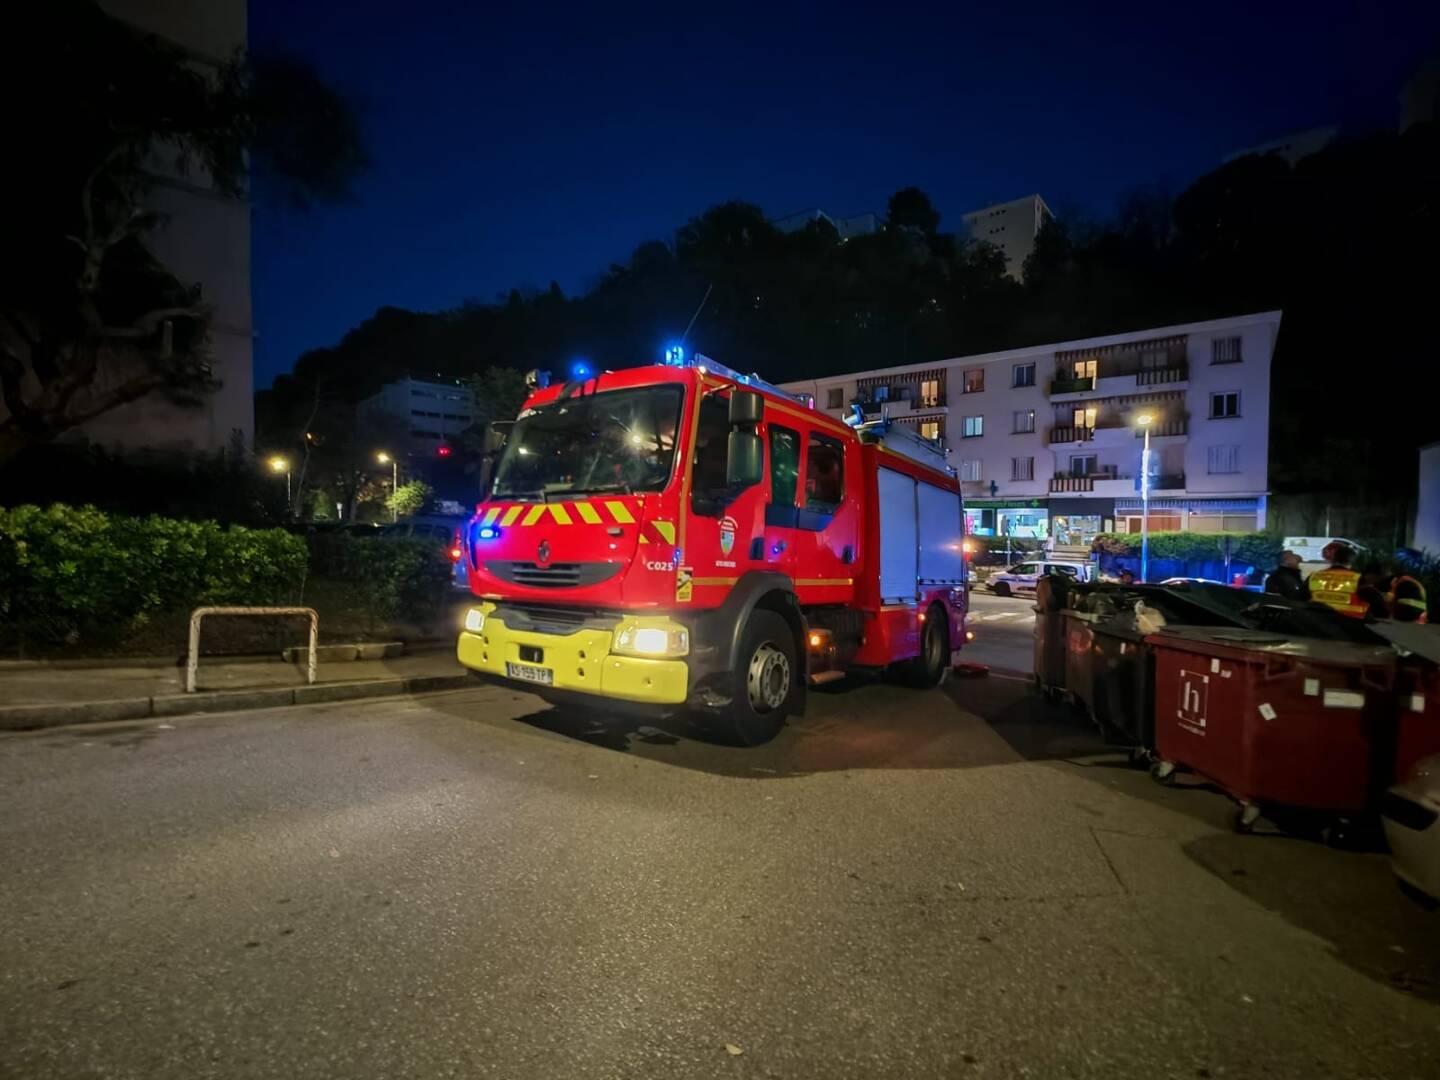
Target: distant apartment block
{"points": [[203, 238], [1293, 147], [1012, 227], [1046, 440], [847, 227], [431, 413]]}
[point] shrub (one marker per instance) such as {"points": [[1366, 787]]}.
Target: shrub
{"points": [[1257, 549], [78, 574], [397, 578]]}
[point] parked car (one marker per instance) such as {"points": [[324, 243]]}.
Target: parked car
{"points": [[1411, 814], [1310, 548], [1020, 579]]}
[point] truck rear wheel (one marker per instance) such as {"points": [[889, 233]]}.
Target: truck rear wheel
{"points": [[763, 683], [933, 664]]}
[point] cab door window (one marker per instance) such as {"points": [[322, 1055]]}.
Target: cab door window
{"points": [[711, 446], [784, 475], [824, 481]]}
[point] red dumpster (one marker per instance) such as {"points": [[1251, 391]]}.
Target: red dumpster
{"points": [[1417, 701], [1300, 723]]}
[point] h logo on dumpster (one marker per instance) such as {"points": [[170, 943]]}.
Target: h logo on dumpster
{"points": [[1194, 699]]}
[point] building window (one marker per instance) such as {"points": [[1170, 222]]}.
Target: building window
{"points": [[1225, 350], [1224, 406], [420, 433], [1023, 375], [882, 393], [974, 380], [930, 429], [1083, 417], [1024, 421], [974, 427], [824, 473], [1022, 468], [930, 393], [1083, 464], [835, 397], [970, 469], [456, 416], [1085, 369], [1153, 359], [1222, 460]]}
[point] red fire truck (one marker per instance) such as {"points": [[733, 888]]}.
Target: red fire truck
{"points": [[685, 537]]}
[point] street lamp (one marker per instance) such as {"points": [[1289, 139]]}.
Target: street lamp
{"points": [[1145, 420], [385, 459], [278, 465]]}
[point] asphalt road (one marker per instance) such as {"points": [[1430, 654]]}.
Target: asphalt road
{"points": [[953, 883], [1004, 629]]}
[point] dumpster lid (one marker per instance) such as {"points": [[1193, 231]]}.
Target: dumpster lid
{"points": [[1204, 639], [1418, 638]]}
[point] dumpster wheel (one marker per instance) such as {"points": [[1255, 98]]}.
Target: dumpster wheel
{"points": [[1162, 772], [1243, 818]]}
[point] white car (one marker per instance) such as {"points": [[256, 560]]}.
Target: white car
{"points": [[1309, 548], [1411, 814], [1020, 579]]}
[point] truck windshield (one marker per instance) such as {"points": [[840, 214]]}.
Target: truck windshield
{"points": [[616, 440]]}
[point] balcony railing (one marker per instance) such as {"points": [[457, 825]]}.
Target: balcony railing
{"points": [[1063, 385], [1073, 483], [1071, 434], [1165, 427], [1159, 376], [1169, 482]]}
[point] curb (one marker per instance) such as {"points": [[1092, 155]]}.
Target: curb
{"points": [[63, 714], [328, 654]]}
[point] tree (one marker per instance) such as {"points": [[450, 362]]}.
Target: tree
{"points": [[910, 208], [90, 319], [409, 498]]}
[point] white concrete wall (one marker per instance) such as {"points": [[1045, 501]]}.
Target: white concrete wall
{"points": [[1011, 227], [1427, 509], [1250, 432]]}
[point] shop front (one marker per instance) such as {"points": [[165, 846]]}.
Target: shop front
{"points": [[1027, 519], [1192, 515], [1076, 522]]}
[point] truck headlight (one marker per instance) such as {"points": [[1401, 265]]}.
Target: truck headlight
{"points": [[474, 620], [662, 639]]}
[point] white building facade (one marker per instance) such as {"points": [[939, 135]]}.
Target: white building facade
{"points": [[1012, 227], [1047, 443], [433, 413]]}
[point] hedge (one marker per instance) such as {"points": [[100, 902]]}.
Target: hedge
{"points": [[396, 578], [76, 573], [1258, 549]]}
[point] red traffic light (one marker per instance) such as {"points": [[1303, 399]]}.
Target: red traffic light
{"points": [[444, 451]]}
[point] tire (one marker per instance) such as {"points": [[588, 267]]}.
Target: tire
{"points": [[762, 686], [933, 664], [1002, 588]]}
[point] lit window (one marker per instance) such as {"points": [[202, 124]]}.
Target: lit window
{"points": [[1085, 369], [974, 380], [930, 393], [1225, 406], [1084, 418], [974, 427], [930, 429]]}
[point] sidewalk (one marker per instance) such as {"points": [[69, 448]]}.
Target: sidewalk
{"points": [[49, 696]]}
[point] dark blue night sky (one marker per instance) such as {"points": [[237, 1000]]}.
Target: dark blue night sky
{"points": [[518, 144]]}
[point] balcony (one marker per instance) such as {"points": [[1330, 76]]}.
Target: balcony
{"points": [[898, 406], [1063, 484], [1062, 385], [1071, 434], [1165, 429], [1162, 376]]}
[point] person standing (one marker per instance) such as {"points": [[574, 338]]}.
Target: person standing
{"points": [[1338, 585], [1285, 579], [1407, 599]]}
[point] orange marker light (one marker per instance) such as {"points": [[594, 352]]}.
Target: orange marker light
{"points": [[969, 635], [815, 640]]}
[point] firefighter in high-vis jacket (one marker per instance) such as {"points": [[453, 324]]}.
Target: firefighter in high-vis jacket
{"points": [[1406, 597], [1338, 585]]}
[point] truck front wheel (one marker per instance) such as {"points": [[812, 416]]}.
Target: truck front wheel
{"points": [[933, 664], [763, 683]]}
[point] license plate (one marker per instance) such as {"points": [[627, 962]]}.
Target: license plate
{"points": [[529, 673]]}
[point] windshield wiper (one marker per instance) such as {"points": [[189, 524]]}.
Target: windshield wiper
{"points": [[592, 489], [539, 494]]}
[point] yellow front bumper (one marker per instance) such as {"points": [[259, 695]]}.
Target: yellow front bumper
{"points": [[580, 663]]}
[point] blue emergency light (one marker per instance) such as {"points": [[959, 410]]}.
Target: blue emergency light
{"points": [[487, 532]]}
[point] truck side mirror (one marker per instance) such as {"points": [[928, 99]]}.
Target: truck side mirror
{"points": [[744, 457], [747, 408]]}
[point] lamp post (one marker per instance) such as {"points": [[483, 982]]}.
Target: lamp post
{"points": [[385, 459], [1145, 420], [278, 465]]}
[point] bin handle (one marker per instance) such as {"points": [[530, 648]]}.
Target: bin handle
{"points": [[1382, 683], [1274, 669]]}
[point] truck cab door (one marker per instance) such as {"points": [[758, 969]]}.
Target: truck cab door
{"points": [[782, 456], [828, 520]]}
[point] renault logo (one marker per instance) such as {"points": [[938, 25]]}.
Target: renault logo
{"points": [[542, 553]]}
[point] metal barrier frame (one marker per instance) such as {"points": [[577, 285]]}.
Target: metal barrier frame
{"points": [[192, 659]]}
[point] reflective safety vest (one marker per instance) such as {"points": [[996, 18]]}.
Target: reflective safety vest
{"points": [[1338, 587], [1414, 598]]}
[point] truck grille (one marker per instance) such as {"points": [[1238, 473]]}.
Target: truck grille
{"points": [[558, 575], [551, 620]]}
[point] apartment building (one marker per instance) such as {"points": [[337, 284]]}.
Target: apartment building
{"points": [[1010, 226], [1047, 443], [433, 412]]}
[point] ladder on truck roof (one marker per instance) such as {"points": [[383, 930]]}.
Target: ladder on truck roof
{"points": [[902, 441]]}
